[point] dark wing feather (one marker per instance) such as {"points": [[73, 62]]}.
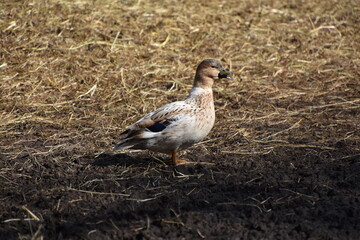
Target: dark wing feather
{"points": [[157, 127]]}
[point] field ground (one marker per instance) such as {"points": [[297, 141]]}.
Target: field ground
{"points": [[282, 162]]}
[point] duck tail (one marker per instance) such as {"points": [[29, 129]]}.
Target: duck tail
{"points": [[123, 145], [125, 140], [133, 139]]}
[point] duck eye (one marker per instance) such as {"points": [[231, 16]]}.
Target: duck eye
{"points": [[213, 66]]}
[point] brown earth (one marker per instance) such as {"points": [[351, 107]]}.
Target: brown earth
{"points": [[282, 162]]}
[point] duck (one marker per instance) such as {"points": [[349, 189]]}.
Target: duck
{"points": [[178, 125]]}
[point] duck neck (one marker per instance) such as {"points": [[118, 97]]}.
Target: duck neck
{"points": [[203, 97], [203, 81]]}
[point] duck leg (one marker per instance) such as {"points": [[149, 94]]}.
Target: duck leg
{"points": [[173, 158], [177, 161]]}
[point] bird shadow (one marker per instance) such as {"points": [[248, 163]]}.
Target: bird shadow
{"points": [[124, 160], [121, 159]]}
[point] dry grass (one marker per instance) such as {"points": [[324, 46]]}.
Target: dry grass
{"points": [[75, 73]]}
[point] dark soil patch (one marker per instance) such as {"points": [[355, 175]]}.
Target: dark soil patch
{"points": [[286, 194]]}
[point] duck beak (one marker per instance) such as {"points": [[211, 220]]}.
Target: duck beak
{"points": [[224, 74]]}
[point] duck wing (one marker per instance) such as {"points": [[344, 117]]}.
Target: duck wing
{"points": [[153, 124]]}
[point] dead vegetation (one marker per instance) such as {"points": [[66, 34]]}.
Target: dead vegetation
{"points": [[75, 73]]}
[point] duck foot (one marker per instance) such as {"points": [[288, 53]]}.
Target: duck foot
{"points": [[177, 161], [183, 162]]}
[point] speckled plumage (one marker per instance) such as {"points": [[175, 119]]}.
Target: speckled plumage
{"points": [[178, 125]]}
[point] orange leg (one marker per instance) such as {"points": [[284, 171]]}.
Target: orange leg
{"points": [[173, 158], [177, 161]]}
